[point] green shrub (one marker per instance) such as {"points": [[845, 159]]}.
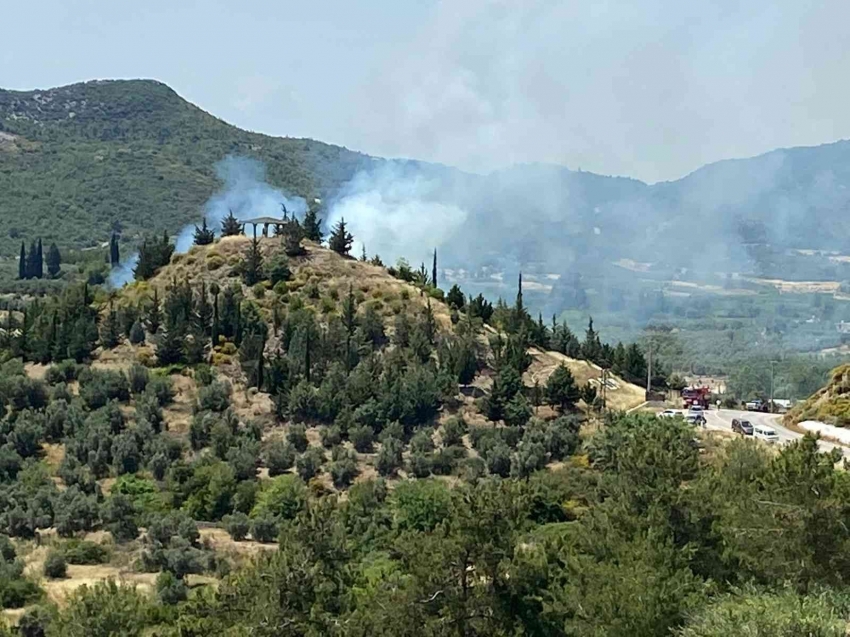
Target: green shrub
{"points": [[138, 377], [215, 396], [330, 436], [137, 333], [7, 549], [362, 438], [237, 525], [309, 464], [98, 387], [343, 467], [162, 389], [55, 566], [279, 457], [297, 437], [264, 529], [85, 552], [170, 590], [282, 497]]}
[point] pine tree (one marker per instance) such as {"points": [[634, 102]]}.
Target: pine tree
{"points": [[230, 226], [54, 261], [341, 239], [155, 313], [110, 333], [434, 270], [114, 252], [349, 320], [203, 235], [312, 226], [169, 350], [591, 349], [252, 268], [291, 235], [22, 262]]}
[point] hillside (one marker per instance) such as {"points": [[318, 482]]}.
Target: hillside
{"points": [[78, 160], [830, 405], [320, 280], [268, 438]]}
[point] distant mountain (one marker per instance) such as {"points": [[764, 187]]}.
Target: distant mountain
{"points": [[74, 160]]}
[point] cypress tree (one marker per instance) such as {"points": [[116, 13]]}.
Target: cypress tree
{"points": [[520, 308], [434, 270], [39, 262], [54, 261], [203, 235], [114, 253], [22, 262], [203, 310], [230, 226], [32, 257], [312, 226], [214, 289], [341, 239]]}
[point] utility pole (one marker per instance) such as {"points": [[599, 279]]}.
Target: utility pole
{"points": [[649, 372], [604, 380], [770, 406]]}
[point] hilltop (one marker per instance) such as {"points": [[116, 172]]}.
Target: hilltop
{"points": [[319, 281]]}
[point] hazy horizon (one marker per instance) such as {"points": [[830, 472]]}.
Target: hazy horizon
{"points": [[651, 92]]}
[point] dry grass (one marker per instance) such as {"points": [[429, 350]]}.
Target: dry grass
{"points": [[620, 395]]}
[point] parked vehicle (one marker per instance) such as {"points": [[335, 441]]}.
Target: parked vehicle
{"points": [[669, 413], [743, 427], [695, 417], [756, 405], [767, 434]]}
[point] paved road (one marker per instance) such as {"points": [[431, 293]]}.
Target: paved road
{"points": [[722, 419]]}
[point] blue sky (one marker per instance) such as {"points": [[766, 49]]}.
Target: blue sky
{"points": [[649, 89]]}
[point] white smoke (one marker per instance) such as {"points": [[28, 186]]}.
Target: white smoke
{"points": [[395, 212], [245, 192]]}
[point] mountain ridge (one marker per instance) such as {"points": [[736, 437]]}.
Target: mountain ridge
{"points": [[97, 152]]}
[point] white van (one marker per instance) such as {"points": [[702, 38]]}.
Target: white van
{"points": [[768, 434]]}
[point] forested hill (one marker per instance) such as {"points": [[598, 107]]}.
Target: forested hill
{"points": [[76, 159]]}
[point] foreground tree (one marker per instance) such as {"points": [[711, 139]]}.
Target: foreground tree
{"points": [[203, 235], [54, 261], [341, 239], [561, 389], [230, 226], [312, 225]]}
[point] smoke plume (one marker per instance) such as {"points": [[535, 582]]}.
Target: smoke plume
{"points": [[396, 210], [245, 192]]}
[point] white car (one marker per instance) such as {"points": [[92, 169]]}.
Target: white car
{"points": [[669, 413], [768, 434]]}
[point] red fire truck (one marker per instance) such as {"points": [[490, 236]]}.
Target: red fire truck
{"points": [[696, 396]]}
